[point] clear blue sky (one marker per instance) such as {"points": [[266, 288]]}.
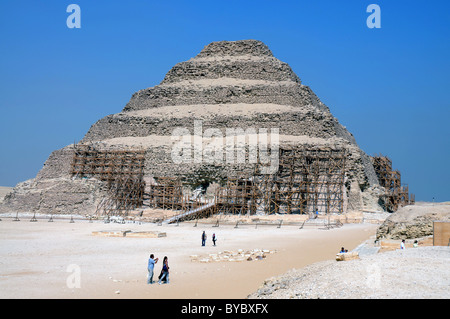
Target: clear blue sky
{"points": [[388, 86]]}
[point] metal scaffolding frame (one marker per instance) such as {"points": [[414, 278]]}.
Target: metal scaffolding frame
{"points": [[122, 171], [396, 194], [308, 181], [166, 193]]}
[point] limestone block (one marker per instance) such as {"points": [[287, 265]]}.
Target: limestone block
{"points": [[347, 256]]}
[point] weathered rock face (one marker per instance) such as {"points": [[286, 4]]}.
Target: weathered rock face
{"points": [[413, 221], [55, 196], [229, 84]]}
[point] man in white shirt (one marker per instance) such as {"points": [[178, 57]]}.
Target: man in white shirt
{"points": [[402, 245]]}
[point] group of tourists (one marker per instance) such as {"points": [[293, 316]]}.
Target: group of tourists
{"points": [[163, 276], [214, 239]]}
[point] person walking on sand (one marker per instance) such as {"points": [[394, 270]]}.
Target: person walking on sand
{"points": [[214, 239], [151, 266], [165, 271], [203, 238], [402, 245]]}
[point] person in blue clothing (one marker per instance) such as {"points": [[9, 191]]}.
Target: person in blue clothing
{"points": [[203, 238], [151, 266], [165, 271]]}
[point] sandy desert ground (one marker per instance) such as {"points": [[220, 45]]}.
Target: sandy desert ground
{"points": [[37, 258], [413, 273]]}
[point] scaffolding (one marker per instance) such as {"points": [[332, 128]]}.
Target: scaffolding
{"points": [[308, 181], [396, 195], [122, 171], [240, 195], [166, 193]]}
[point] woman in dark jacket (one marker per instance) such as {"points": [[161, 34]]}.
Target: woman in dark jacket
{"points": [[165, 271]]}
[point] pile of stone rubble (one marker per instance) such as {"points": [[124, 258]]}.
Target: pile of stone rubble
{"points": [[228, 255]]}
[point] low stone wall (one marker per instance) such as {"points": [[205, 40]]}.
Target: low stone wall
{"points": [[129, 234]]}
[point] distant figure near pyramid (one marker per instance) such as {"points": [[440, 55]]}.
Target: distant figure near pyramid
{"points": [[228, 85]]}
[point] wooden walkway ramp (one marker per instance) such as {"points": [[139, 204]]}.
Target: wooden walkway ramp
{"points": [[202, 211]]}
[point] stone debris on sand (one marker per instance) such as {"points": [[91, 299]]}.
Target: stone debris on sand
{"points": [[228, 255]]}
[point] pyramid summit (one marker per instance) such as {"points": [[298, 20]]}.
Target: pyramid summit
{"points": [[228, 84], [218, 74], [236, 48]]}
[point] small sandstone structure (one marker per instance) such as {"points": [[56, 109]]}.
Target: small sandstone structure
{"points": [[347, 256]]}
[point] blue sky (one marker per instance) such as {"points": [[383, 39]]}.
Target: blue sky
{"points": [[388, 86]]}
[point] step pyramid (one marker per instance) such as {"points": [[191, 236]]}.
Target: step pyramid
{"points": [[229, 85]]}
